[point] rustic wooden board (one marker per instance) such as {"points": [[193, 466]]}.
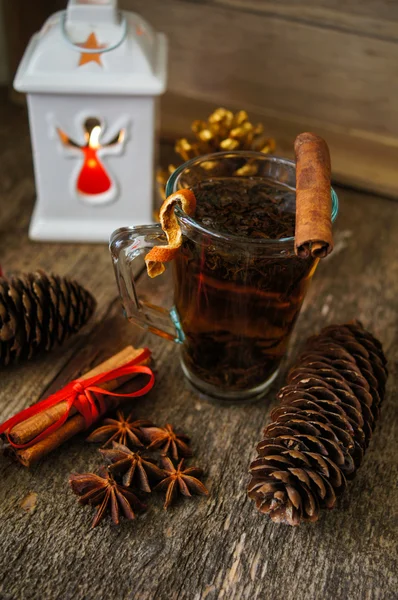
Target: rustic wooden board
{"points": [[327, 66], [361, 162], [216, 548], [324, 74], [21, 21], [375, 18], [295, 67]]}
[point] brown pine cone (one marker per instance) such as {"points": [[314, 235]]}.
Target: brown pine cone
{"points": [[37, 311], [322, 426]]}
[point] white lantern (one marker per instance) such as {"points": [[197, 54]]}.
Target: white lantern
{"points": [[92, 75]]}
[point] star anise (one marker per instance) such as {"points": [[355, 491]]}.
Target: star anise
{"points": [[103, 491], [123, 430], [180, 480], [167, 440], [136, 469]]}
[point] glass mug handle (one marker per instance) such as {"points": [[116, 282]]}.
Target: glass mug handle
{"points": [[127, 246]]}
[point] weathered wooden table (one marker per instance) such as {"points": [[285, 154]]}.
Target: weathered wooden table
{"points": [[218, 547]]}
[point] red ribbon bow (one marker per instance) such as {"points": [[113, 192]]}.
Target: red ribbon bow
{"points": [[80, 395]]}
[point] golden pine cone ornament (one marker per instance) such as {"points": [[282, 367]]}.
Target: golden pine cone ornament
{"points": [[223, 131], [38, 311], [322, 426]]}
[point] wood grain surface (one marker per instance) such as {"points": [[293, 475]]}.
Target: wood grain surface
{"points": [[216, 53], [215, 548], [328, 67], [375, 18], [360, 162]]}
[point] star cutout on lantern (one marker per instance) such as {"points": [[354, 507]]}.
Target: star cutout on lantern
{"points": [[91, 43]]}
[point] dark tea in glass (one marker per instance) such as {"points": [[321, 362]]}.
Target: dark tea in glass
{"points": [[237, 301], [238, 285]]}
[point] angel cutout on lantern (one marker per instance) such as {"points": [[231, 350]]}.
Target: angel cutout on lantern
{"points": [[94, 183]]}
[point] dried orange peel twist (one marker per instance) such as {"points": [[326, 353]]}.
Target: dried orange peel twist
{"points": [[161, 254]]}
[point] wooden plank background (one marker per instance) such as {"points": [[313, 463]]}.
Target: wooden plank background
{"points": [[329, 66], [374, 18], [324, 65]]}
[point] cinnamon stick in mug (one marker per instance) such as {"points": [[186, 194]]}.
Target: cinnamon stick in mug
{"points": [[313, 234]]}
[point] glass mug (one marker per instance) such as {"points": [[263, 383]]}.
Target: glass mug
{"points": [[236, 299]]}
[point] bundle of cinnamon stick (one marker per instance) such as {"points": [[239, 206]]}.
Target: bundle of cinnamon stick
{"points": [[28, 429]]}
